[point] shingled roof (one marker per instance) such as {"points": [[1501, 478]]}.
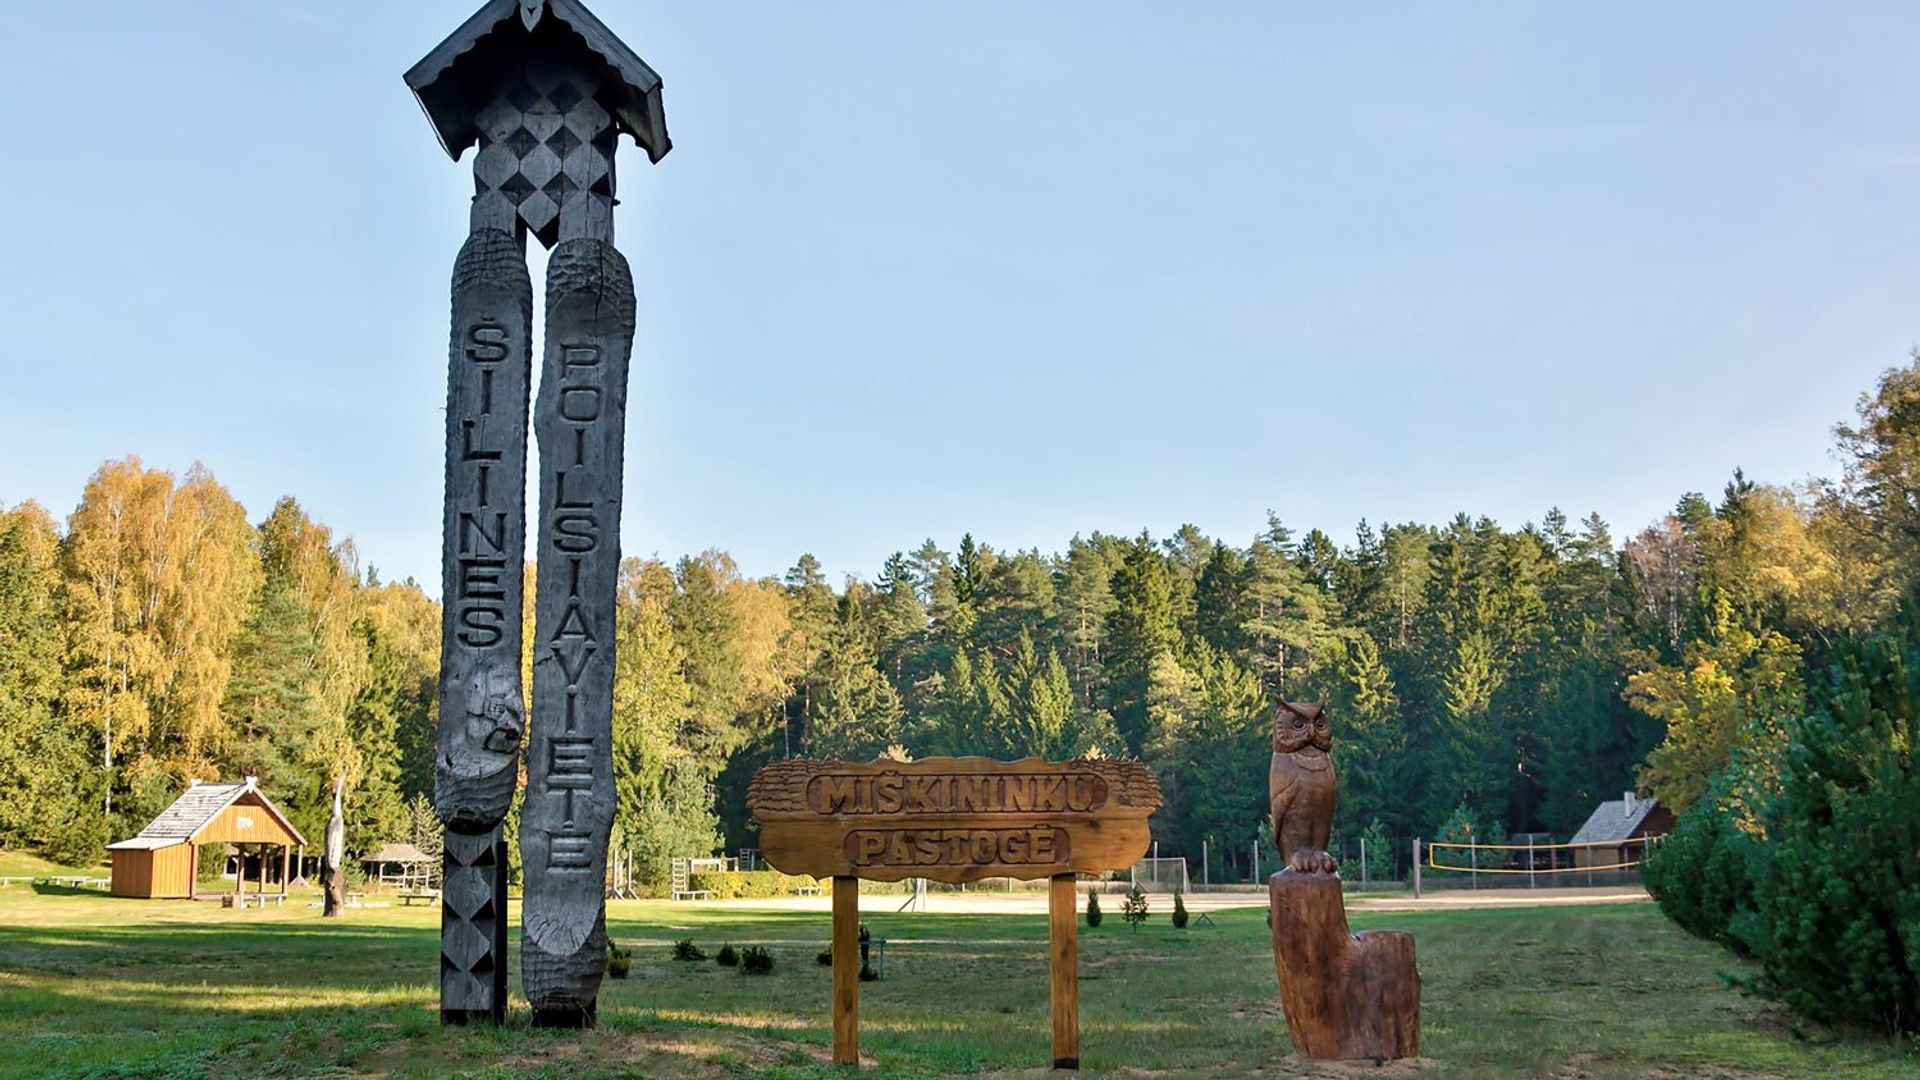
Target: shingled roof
{"points": [[191, 812], [1615, 819]]}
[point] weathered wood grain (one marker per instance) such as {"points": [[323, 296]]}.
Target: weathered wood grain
{"points": [[473, 928], [333, 874], [1346, 996], [483, 534], [952, 819], [1063, 937], [846, 971], [580, 421]]}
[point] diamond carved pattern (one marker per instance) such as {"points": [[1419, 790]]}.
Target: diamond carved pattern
{"points": [[546, 150]]}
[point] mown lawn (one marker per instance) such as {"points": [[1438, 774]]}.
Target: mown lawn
{"points": [[91, 986], [24, 864]]}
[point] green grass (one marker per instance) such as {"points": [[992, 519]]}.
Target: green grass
{"points": [[26, 864], [96, 987]]}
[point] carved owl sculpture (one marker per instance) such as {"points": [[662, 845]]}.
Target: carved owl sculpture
{"points": [[1300, 786]]}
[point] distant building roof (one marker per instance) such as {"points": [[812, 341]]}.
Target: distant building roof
{"points": [[191, 812], [1615, 819], [398, 853]]}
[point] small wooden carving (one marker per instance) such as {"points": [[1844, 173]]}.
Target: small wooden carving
{"points": [[1300, 786], [1346, 996]]}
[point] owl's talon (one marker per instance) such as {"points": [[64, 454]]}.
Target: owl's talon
{"points": [[1306, 861]]}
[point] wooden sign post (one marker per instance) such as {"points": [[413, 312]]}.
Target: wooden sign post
{"points": [[954, 820]]}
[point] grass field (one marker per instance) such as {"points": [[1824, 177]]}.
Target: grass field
{"points": [[91, 986], [23, 864]]}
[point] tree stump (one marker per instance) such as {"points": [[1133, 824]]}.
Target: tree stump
{"points": [[1346, 995]]}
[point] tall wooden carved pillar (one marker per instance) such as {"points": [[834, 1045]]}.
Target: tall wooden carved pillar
{"points": [[544, 90]]}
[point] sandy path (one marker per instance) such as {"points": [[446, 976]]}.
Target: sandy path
{"points": [[1024, 902]]}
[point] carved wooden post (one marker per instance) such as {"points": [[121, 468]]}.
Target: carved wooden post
{"points": [[544, 89], [333, 879]]}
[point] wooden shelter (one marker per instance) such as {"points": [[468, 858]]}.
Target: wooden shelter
{"points": [[164, 860], [403, 866]]}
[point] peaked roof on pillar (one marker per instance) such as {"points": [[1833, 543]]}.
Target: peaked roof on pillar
{"points": [[456, 79]]}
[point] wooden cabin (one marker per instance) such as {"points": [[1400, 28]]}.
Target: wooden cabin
{"points": [[1616, 834], [164, 860]]}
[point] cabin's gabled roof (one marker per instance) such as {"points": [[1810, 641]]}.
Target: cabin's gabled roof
{"points": [[1615, 819], [193, 811], [456, 79]]}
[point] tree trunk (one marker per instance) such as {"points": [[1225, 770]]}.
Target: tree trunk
{"points": [[1346, 996]]}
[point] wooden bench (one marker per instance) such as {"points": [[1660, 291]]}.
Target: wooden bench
{"points": [[691, 894], [806, 890], [407, 899]]}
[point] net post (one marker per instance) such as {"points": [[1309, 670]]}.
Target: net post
{"points": [[1416, 868]]}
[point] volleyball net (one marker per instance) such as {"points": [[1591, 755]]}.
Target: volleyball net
{"points": [[1536, 859]]}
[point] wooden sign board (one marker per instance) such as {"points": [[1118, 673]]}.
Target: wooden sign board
{"points": [[953, 819]]}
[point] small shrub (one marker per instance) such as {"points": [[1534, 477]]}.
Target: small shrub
{"points": [[1179, 911], [687, 950], [619, 961], [728, 957], [755, 960], [867, 974], [825, 958], [1093, 907], [1135, 908]]}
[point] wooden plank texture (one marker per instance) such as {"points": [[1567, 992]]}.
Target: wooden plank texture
{"points": [[952, 819], [846, 971], [1064, 951]]}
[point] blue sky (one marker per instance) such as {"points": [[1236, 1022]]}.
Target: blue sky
{"points": [[1019, 269]]}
